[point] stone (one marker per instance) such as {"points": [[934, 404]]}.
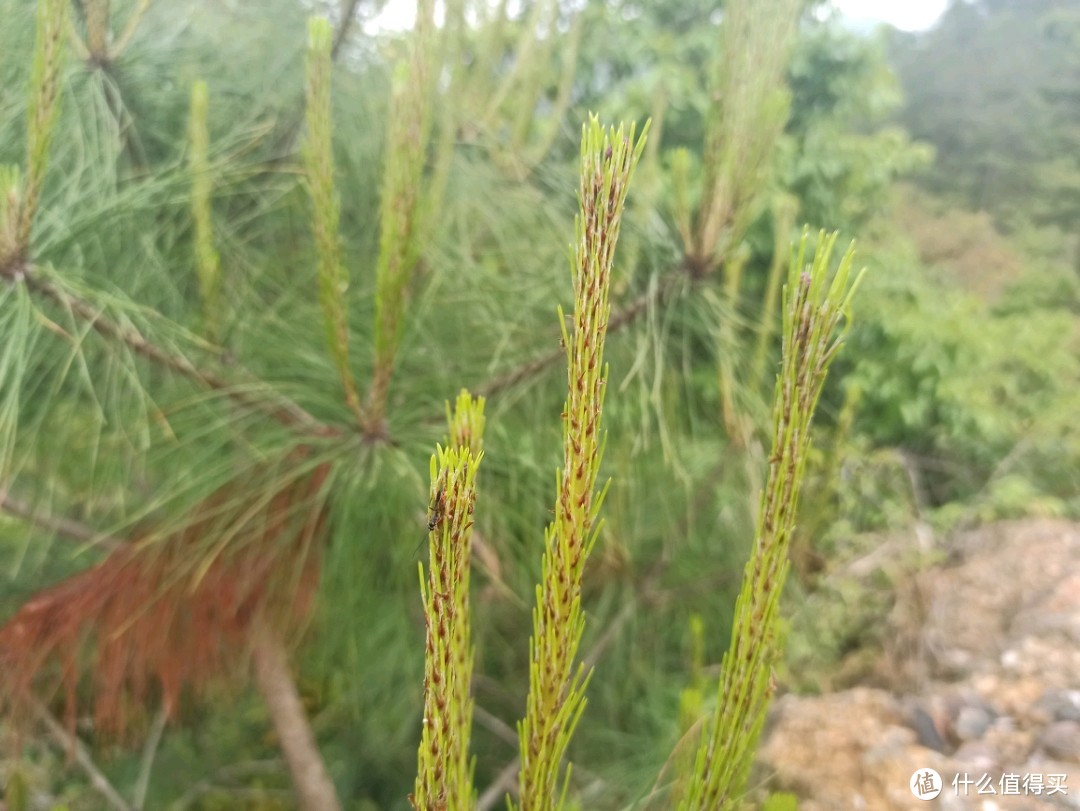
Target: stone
{"points": [[1061, 740]]}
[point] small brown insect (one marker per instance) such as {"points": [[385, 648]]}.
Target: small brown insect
{"points": [[437, 509]]}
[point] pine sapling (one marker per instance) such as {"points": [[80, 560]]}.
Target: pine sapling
{"points": [[444, 768], [556, 684], [814, 310]]}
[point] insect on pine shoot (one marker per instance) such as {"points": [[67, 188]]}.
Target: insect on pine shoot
{"points": [[438, 506], [436, 509]]}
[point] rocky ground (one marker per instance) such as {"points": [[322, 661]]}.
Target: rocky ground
{"points": [[980, 682]]}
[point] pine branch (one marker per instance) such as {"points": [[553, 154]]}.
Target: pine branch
{"points": [[20, 201], [744, 124], [99, 54], [276, 405], [162, 612], [624, 317], [314, 789], [64, 527], [96, 16], [348, 13], [44, 104], [128, 32], [506, 780]]}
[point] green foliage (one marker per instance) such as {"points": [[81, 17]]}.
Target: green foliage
{"points": [[511, 75], [21, 200], [16, 791], [994, 87], [841, 154], [16, 319], [100, 48], [840, 623], [115, 408], [840, 151], [970, 391], [801, 139]]}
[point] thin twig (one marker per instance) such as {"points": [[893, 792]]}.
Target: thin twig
{"points": [[505, 781], [310, 778], [281, 408], [624, 317], [689, 737], [65, 527], [347, 15], [496, 726], [72, 744], [132, 25], [153, 740], [523, 372], [232, 772]]}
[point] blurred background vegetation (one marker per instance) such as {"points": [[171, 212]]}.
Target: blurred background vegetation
{"points": [[953, 155]]}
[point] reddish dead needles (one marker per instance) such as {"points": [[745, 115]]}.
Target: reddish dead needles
{"points": [[159, 617]]}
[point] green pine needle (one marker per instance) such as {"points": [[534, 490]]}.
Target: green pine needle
{"points": [[207, 263]]}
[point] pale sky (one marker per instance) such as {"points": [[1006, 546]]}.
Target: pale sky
{"points": [[909, 15]]}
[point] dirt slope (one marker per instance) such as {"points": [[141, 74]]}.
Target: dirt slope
{"points": [[985, 688]]}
